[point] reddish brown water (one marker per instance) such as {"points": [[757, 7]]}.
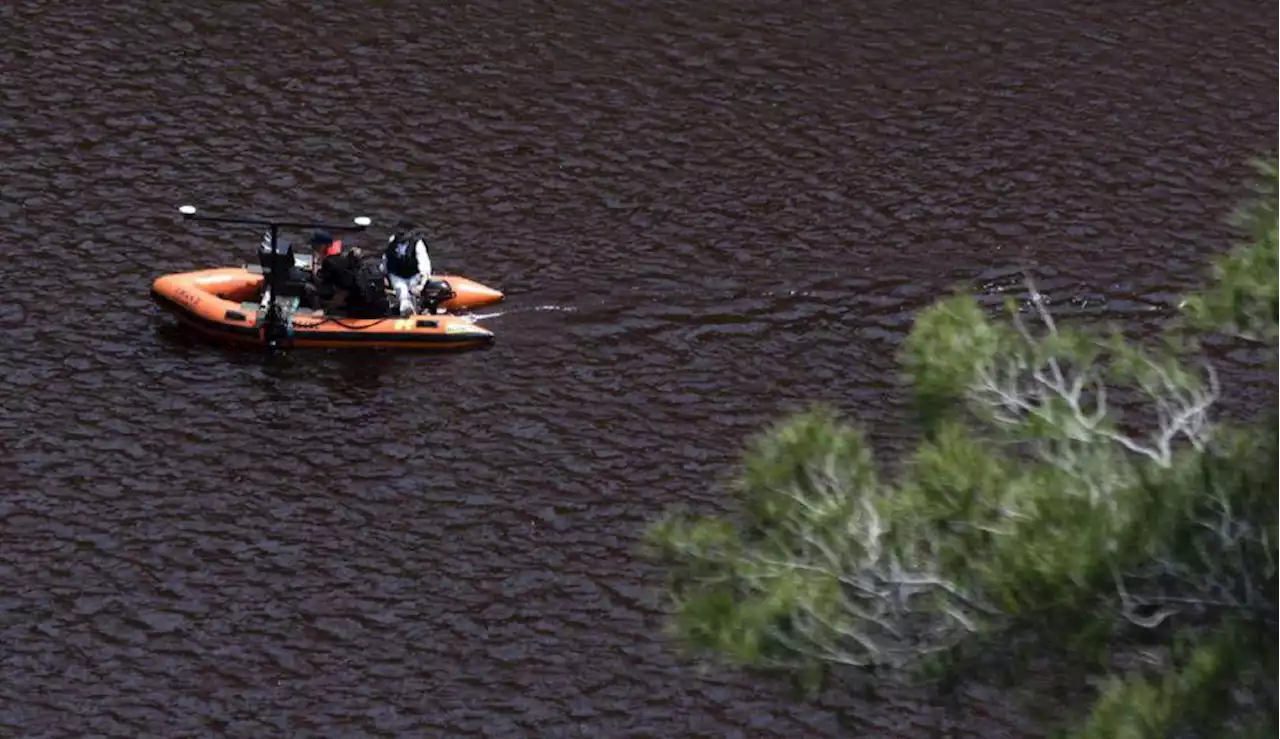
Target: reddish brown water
{"points": [[703, 213]]}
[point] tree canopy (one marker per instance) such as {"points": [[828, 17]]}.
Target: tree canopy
{"points": [[1034, 519]]}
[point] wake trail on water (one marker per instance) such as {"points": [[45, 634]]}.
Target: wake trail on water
{"points": [[991, 292], [477, 317]]}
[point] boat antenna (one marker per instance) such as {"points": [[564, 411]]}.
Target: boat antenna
{"points": [[276, 263]]}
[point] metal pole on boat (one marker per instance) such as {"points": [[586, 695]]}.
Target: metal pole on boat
{"points": [[189, 214]]}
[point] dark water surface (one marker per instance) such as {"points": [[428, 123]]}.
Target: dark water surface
{"points": [[703, 213]]}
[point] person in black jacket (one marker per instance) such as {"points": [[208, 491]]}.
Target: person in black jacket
{"points": [[330, 269], [347, 279]]}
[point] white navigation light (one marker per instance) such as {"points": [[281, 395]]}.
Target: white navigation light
{"points": [[187, 210], [362, 220]]}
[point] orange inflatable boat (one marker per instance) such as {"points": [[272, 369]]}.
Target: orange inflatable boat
{"points": [[256, 305], [225, 303]]}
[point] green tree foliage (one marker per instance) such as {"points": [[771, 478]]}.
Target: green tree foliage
{"points": [[1243, 297], [1034, 519]]}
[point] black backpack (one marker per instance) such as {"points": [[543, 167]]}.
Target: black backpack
{"points": [[368, 291]]}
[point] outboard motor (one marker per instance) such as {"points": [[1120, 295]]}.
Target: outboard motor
{"points": [[434, 293], [284, 280]]}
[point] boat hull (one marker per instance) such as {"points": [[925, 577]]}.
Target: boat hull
{"points": [[222, 303]]}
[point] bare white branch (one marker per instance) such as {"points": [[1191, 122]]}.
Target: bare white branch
{"points": [[867, 592]]}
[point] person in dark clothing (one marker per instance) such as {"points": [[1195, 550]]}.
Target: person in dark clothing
{"points": [[348, 280], [328, 269]]}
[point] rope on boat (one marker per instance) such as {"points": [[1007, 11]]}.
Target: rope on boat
{"points": [[333, 319]]}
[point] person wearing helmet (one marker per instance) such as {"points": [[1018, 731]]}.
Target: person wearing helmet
{"points": [[407, 264], [330, 270], [323, 244], [347, 279]]}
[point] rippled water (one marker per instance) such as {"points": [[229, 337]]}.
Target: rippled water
{"points": [[703, 214]]}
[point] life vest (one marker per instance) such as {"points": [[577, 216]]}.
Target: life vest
{"points": [[402, 258]]}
